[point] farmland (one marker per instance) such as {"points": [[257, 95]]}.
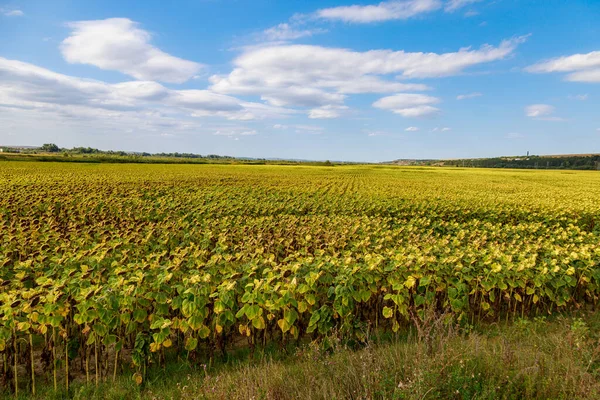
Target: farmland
{"points": [[108, 270]]}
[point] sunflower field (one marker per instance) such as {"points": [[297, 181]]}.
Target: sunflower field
{"points": [[104, 266]]}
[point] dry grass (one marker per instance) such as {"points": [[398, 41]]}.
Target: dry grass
{"points": [[523, 364], [525, 360]]}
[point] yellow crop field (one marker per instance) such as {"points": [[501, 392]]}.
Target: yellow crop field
{"points": [[103, 266]]}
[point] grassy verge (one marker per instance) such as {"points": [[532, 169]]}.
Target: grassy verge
{"points": [[555, 358]]}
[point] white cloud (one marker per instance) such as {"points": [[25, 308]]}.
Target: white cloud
{"points": [[580, 97], [391, 10], [408, 104], [377, 133], [118, 44], [542, 112], [438, 129], [326, 112], [581, 67], [25, 86], [286, 31], [316, 76], [468, 96], [412, 129], [301, 96], [569, 63], [539, 110], [309, 129], [589, 76], [235, 131], [453, 5], [11, 13], [445, 129], [384, 11]]}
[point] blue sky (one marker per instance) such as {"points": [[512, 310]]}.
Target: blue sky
{"points": [[339, 80]]}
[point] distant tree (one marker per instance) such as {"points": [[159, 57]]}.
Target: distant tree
{"points": [[50, 148]]}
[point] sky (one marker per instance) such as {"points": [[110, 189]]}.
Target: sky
{"points": [[344, 80]]}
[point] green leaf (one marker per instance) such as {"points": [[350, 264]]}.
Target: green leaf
{"points": [[314, 318], [290, 316], [419, 300], [110, 339], [203, 332], [191, 343], [140, 315], [253, 312], [196, 322]]}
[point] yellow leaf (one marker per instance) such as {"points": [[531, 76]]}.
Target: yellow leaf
{"points": [[518, 297], [302, 307], [388, 312], [154, 347], [283, 325], [259, 323]]}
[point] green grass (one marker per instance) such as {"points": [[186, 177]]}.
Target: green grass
{"points": [[556, 358]]}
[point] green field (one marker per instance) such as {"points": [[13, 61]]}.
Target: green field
{"points": [[114, 272]]}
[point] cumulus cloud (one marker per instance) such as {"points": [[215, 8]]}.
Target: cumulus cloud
{"points": [[468, 96], [438, 129], [580, 67], [285, 31], [119, 44], [384, 11], [409, 104], [316, 76], [26, 86], [412, 129]]}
